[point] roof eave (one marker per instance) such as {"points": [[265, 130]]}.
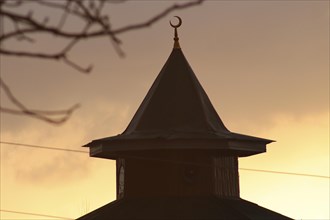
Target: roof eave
{"points": [[112, 148]]}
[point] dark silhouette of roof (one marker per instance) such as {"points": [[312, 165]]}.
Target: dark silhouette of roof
{"points": [[176, 102], [183, 208], [177, 114]]}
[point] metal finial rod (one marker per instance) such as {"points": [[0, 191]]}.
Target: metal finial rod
{"points": [[176, 38]]}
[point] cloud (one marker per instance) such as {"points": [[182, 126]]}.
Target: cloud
{"points": [[49, 167]]}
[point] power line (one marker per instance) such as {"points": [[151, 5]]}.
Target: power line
{"points": [[35, 214], [164, 160], [42, 147], [286, 173]]}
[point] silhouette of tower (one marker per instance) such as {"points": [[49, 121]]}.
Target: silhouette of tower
{"points": [[176, 159]]}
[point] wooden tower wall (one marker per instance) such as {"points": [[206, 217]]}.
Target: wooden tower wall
{"points": [[179, 174], [226, 176]]}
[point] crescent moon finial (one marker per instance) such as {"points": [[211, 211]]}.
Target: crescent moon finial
{"points": [[175, 26]]}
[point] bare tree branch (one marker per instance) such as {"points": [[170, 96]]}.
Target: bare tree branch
{"points": [[76, 66], [64, 15], [61, 116], [13, 3], [36, 26], [157, 17], [95, 22], [31, 54]]}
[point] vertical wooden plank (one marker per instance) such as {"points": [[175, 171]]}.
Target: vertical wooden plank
{"points": [[226, 176], [120, 177]]}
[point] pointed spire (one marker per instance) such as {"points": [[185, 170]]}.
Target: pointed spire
{"points": [[176, 38], [176, 114]]}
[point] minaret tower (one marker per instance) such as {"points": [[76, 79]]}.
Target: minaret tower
{"points": [[176, 159]]}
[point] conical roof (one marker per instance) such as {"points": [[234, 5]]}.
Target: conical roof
{"points": [[176, 102], [177, 114]]}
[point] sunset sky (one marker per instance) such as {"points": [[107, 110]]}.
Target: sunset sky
{"points": [[263, 64]]}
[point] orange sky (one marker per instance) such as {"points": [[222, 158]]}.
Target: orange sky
{"points": [[264, 65]]}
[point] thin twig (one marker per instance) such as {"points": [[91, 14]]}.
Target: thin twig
{"points": [[62, 115], [39, 27], [156, 17], [31, 54], [64, 16], [28, 25], [76, 66]]}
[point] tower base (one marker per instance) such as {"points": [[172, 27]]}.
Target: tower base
{"points": [[183, 208]]}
